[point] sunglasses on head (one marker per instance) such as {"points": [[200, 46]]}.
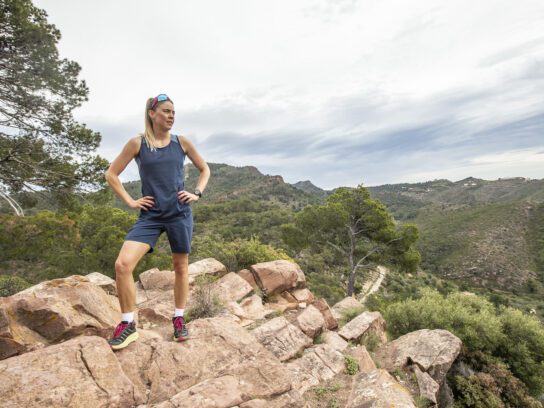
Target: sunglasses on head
{"points": [[159, 98]]}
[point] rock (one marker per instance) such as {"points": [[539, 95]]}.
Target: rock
{"points": [[248, 276], [323, 307], [428, 387], [220, 392], [291, 399], [217, 347], [53, 311], [141, 295], [303, 295], [433, 351], [105, 282], [334, 340], [208, 266], [232, 287], [81, 372], [378, 389], [282, 338], [253, 308], [159, 309], [360, 353], [364, 324], [317, 364], [311, 321], [347, 303], [276, 276], [288, 297], [154, 279]]}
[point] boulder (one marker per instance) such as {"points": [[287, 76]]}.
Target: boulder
{"points": [[317, 364], [433, 351], [428, 387], [53, 311], [248, 276], [232, 287], [282, 338], [154, 279], [81, 372], [363, 325], [334, 340], [347, 303], [276, 276], [303, 295], [105, 282], [311, 321], [378, 389], [365, 362], [208, 266], [323, 307]]}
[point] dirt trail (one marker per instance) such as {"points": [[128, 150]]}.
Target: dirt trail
{"points": [[381, 272]]}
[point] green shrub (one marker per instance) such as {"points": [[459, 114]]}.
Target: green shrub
{"points": [[371, 342], [352, 366], [508, 334], [350, 314], [9, 285]]}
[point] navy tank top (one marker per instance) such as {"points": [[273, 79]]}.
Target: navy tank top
{"points": [[162, 176]]}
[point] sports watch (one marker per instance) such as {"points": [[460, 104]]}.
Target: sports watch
{"points": [[198, 192]]}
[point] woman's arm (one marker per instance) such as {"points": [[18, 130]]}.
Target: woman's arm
{"points": [[200, 164], [117, 166]]}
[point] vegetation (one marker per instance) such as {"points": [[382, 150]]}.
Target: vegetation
{"points": [[495, 340], [205, 302], [352, 366], [41, 145], [358, 228]]}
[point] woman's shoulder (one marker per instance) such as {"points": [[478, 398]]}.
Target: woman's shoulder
{"points": [[184, 142], [135, 143]]}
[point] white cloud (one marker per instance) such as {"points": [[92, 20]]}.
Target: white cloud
{"points": [[338, 91]]}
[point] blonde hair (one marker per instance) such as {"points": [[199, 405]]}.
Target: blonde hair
{"points": [[149, 134]]}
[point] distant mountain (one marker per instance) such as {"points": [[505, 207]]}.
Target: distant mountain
{"points": [[308, 187], [229, 183]]}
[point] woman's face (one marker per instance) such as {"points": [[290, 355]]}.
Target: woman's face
{"points": [[163, 115]]}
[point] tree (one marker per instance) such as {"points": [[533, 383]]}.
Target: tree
{"points": [[358, 228], [41, 145]]}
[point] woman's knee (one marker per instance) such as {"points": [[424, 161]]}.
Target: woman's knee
{"points": [[123, 267]]}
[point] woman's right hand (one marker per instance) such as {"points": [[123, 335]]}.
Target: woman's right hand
{"points": [[145, 203]]}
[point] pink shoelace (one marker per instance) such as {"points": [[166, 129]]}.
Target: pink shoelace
{"points": [[119, 329], [178, 323]]}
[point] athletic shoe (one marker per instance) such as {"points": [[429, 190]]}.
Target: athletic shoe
{"points": [[125, 333], [180, 329]]}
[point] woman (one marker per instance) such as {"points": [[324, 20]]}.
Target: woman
{"points": [[164, 206]]}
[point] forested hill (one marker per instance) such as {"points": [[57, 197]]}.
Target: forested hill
{"points": [[230, 183]]}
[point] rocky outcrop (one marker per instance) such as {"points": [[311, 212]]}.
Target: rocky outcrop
{"points": [[241, 358], [378, 389], [82, 372], [316, 365], [276, 276], [345, 304], [434, 351], [282, 338], [53, 311], [363, 325]]}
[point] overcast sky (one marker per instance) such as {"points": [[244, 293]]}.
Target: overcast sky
{"points": [[337, 92]]}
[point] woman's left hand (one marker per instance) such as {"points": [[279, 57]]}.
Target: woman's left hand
{"points": [[186, 197]]}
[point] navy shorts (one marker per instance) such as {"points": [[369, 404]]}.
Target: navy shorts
{"points": [[179, 231]]}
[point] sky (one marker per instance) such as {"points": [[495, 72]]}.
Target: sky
{"points": [[337, 92]]}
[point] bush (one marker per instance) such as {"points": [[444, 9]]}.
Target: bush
{"points": [[9, 285], [352, 366], [205, 301], [350, 314], [507, 334]]}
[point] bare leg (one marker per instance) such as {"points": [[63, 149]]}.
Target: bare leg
{"points": [[181, 284], [129, 256]]}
